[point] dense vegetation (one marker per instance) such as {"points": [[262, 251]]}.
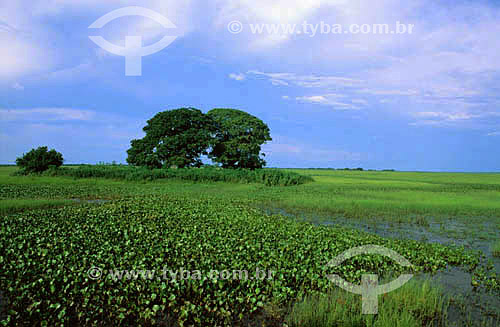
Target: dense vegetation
{"points": [[230, 137], [397, 197], [423, 303], [39, 159], [47, 254], [269, 177], [238, 138], [173, 138]]}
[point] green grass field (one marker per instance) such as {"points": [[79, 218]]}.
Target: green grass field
{"points": [[398, 195], [54, 231]]}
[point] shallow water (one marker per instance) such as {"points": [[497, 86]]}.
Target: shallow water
{"points": [[469, 306], [97, 201]]}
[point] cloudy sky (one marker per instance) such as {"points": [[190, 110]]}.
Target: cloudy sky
{"points": [[429, 100]]}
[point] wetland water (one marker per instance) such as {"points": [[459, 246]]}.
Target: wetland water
{"points": [[97, 201], [469, 306]]}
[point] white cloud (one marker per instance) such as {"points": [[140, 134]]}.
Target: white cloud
{"points": [[63, 129], [18, 55], [292, 149], [258, 11], [494, 134], [102, 142], [17, 86], [447, 116], [285, 12], [360, 101], [70, 73], [308, 81], [389, 92], [314, 99], [237, 77], [427, 123], [328, 100], [277, 82], [45, 114], [28, 40], [449, 63], [270, 11], [457, 118]]}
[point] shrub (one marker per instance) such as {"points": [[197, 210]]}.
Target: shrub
{"points": [[269, 177], [39, 160]]}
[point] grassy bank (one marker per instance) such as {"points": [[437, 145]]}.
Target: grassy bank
{"points": [[154, 232], [415, 304], [396, 196], [15, 205], [207, 225], [269, 177]]}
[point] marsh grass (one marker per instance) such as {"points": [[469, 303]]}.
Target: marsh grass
{"points": [[16, 205], [395, 197], [417, 303], [456, 202], [495, 249], [422, 221], [445, 200], [268, 177], [398, 195]]}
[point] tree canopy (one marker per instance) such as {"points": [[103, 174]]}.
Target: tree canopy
{"points": [[238, 138], [173, 138], [40, 159], [230, 137]]}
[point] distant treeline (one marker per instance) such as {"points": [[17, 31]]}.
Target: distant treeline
{"points": [[349, 169], [269, 177]]}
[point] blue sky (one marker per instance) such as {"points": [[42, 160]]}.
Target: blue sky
{"points": [[428, 100]]}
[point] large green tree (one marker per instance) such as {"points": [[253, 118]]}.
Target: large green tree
{"points": [[173, 138], [238, 138], [40, 159]]}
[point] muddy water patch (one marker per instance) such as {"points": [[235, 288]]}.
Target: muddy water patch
{"points": [[472, 235], [94, 201], [469, 306]]}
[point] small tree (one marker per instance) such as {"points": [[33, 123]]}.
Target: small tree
{"points": [[238, 139], [39, 159], [173, 138]]}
